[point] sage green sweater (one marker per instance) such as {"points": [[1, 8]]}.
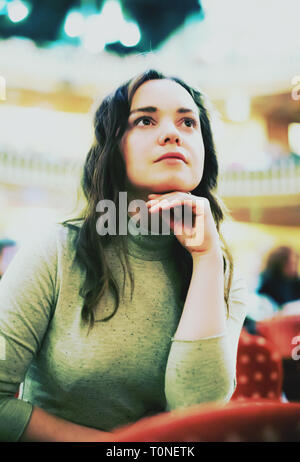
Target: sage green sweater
{"points": [[125, 368]]}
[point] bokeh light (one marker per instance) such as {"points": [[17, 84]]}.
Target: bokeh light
{"points": [[130, 34], [17, 10], [74, 24]]}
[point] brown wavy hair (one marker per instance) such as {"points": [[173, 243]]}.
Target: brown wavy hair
{"points": [[103, 177]]}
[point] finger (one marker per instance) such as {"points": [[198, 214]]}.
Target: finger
{"points": [[181, 207], [167, 195], [152, 202], [170, 199], [165, 204], [198, 207]]}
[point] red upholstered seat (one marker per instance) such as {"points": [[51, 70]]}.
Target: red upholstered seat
{"points": [[282, 331], [249, 421], [259, 369]]}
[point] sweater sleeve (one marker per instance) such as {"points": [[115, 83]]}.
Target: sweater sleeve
{"points": [[205, 370], [27, 297]]}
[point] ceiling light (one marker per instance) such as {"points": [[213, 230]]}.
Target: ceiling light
{"points": [[130, 35], [2, 7], [17, 10], [74, 24], [94, 39]]}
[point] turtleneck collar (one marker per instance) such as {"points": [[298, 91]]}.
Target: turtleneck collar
{"points": [[149, 246]]}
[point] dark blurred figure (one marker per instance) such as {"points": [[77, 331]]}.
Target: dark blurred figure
{"points": [[8, 249], [280, 279], [250, 325]]}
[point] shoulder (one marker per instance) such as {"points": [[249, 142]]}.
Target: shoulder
{"points": [[57, 235], [54, 242], [65, 235]]}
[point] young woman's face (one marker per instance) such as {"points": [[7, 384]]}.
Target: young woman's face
{"points": [[164, 119]]}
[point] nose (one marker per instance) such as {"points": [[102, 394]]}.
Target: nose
{"points": [[170, 135]]}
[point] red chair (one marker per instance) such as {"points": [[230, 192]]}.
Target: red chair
{"points": [[251, 421], [281, 330], [259, 369], [284, 334]]}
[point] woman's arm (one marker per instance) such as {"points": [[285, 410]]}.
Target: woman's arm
{"points": [[201, 365], [27, 299], [204, 370], [45, 427], [203, 313]]}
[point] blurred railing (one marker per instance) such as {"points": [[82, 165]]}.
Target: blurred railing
{"points": [[19, 171], [36, 172], [281, 179]]}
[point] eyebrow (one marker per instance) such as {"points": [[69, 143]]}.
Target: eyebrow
{"points": [[181, 110]]}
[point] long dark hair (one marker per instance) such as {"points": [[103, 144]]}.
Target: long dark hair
{"points": [[104, 176]]}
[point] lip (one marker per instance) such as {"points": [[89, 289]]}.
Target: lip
{"points": [[172, 155]]}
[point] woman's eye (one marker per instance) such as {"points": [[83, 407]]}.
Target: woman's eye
{"points": [[143, 121], [189, 123]]}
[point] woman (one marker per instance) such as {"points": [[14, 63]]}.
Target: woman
{"points": [[95, 357]]}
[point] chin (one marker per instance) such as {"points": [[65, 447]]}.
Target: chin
{"points": [[173, 186]]}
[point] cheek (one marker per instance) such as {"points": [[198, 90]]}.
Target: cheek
{"points": [[199, 152], [198, 159], [135, 150], [131, 154], [126, 151]]}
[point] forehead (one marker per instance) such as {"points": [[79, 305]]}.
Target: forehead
{"points": [[162, 94]]}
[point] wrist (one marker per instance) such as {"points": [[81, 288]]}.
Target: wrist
{"points": [[214, 256]]}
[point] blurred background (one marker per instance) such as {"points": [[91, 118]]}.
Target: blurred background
{"points": [[58, 59]]}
